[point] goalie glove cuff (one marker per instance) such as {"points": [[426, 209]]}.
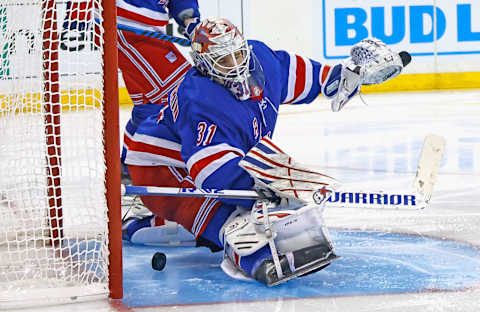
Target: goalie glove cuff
{"points": [[350, 83]]}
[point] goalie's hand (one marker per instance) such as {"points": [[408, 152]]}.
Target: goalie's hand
{"points": [[371, 62], [378, 62]]}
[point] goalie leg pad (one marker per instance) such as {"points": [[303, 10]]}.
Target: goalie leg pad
{"points": [[298, 243]]}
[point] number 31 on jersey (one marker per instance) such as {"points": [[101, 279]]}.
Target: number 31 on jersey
{"points": [[205, 133]]}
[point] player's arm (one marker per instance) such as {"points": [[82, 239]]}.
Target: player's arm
{"points": [[303, 79], [371, 62], [212, 157], [186, 13]]}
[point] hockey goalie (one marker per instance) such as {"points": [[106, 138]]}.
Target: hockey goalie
{"points": [[215, 134]]}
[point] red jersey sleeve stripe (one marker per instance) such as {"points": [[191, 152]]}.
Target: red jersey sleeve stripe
{"points": [[140, 18], [204, 162], [152, 149], [325, 71], [300, 82], [299, 78]]}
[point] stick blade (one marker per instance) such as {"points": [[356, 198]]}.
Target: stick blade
{"points": [[428, 165]]}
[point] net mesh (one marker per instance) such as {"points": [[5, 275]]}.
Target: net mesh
{"points": [[53, 225]]}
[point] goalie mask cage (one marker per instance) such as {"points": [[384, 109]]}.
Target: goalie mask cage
{"points": [[60, 228]]}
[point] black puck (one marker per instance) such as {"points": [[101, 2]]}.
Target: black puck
{"points": [[158, 261], [406, 58]]}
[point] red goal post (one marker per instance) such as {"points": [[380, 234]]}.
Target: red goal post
{"points": [[60, 231]]}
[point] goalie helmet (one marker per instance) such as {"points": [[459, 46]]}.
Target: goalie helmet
{"points": [[221, 52]]}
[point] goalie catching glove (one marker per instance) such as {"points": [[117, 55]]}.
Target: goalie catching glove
{"points": [[371, 62]]}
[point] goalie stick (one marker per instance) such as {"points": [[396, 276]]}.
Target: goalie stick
{"points": [[153, 34], [133, 190], [286, 171], [339, 199], [428, 164], [158, 35]]}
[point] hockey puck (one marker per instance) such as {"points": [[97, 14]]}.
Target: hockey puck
{"points": [[159, 260], [406, 58]]}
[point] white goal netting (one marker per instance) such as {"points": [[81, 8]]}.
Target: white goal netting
{"points": [[53, 215]]}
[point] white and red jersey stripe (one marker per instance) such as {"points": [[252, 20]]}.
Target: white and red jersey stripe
{"points": [[300, 79], [145, 150], [149, 15], [207, 160], [302, 75]]}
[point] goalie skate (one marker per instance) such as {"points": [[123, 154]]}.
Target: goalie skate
{"points": [[307, 260]]}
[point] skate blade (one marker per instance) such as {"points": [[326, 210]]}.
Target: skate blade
{"points": [[313, 266]]}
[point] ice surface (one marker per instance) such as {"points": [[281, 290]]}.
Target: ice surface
{"points": [[391, 260]]}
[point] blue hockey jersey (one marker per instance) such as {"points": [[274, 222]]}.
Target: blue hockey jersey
{"points": [[208, 131]]}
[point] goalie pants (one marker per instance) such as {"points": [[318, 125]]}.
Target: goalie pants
{"points": [[201, 216]]}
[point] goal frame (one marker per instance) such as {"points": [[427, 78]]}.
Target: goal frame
{"points": [[111, 134], [112, 149]]}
